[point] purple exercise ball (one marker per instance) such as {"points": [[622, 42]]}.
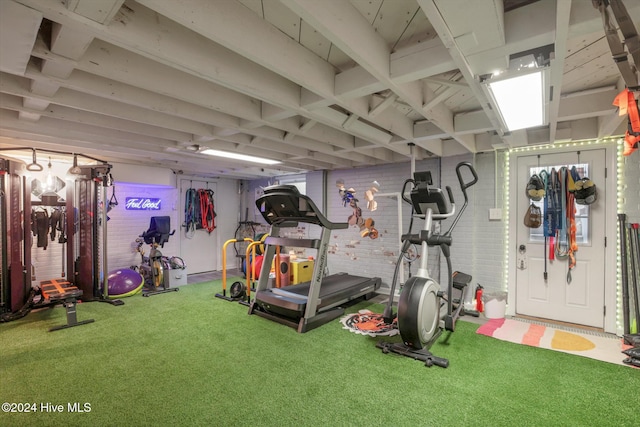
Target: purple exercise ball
{"points": [[124, 282]]}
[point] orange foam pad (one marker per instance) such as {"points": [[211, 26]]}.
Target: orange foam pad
{"points": [[58, 289]]}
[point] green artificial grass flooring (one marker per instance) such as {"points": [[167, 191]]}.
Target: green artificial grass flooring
{"points": [[188, 358]]}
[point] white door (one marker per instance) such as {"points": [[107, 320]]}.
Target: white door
{"points": [[200, 248], [579, 300]]}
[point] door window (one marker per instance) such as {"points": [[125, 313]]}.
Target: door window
{"points": [[582, 211]]}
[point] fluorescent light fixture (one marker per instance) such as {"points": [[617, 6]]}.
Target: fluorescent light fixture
{"points": [[237, 156], [520, 99]]}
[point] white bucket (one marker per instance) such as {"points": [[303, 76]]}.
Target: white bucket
{"points": [[495, 308]]}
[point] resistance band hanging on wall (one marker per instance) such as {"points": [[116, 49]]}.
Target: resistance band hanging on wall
{"points": [[207, 210], [190, 200], [199, 211]]}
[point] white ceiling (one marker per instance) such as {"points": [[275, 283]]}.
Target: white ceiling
{"points": [[315, 84]]}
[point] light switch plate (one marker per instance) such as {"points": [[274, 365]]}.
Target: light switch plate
{"points": [[495, 214]]}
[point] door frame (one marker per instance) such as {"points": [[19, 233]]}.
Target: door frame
{"points": [[607, 194]]}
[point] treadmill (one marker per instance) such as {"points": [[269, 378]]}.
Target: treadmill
{"points": [[304, 306]]}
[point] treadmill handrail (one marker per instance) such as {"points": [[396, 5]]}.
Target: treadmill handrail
{"points": [[296, 243], [281, 205]]}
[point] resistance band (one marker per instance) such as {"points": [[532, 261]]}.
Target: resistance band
{"points": [[207, 211], [571, 216], [562, 243], [189, 212]]}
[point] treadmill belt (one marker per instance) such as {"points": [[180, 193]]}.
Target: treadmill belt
{"points": [[329, 285], [335, 286], [334, 290]]}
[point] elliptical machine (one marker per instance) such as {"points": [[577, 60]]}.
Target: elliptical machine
{"points": [[421, 315]]}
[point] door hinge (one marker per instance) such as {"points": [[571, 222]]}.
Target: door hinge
{"points": [[604, 311], [605, 173], [605, 241]]}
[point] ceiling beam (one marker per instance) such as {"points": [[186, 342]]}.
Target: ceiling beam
{"points": [[182, 114], [584, 105], [563, 12], [180, 91], [441, 25], [345, 27], [101, 11], [146, 34], [58, 112], [143, 106], [264, 44], [19, 27]]}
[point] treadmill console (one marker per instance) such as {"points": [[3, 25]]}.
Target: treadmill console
{"points": [[282, 188], [283, 204]]}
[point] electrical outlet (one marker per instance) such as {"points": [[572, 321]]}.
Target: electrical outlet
{"points": [[495, 214]]}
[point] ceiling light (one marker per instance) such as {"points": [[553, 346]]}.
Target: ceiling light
{"points": [[237, 156], [520, 98], [50, 180]]}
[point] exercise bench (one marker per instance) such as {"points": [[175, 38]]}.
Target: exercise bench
{"points": [[58, 290]]}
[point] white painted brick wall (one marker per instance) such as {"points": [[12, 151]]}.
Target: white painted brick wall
{"points": [[125, 226], [47, 264], [478, 247], [122, 229], [356, 255], [373, 257], [478, 243], [463, 248]]}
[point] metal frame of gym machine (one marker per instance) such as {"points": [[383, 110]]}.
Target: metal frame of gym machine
{"points": [[16, 256], [91, 262], [82, 247]]}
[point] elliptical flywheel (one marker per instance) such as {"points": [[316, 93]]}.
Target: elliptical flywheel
{"points": [[418, 312]]}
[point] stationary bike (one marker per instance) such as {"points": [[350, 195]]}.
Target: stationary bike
{"points": [[421, 314], [152, 267]]}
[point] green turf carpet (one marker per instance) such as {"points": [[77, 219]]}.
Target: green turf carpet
{"points": [[188, 358]]}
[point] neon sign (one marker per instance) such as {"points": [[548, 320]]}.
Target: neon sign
{"points": [[142, 203]]}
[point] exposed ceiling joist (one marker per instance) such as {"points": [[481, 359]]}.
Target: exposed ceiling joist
{"points": [[317, 85]]}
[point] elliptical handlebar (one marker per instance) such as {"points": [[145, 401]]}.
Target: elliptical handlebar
{"points": [[404, 187], [463, 186]]}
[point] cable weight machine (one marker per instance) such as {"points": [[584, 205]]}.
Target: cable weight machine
{"points": [[84, 251]]}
